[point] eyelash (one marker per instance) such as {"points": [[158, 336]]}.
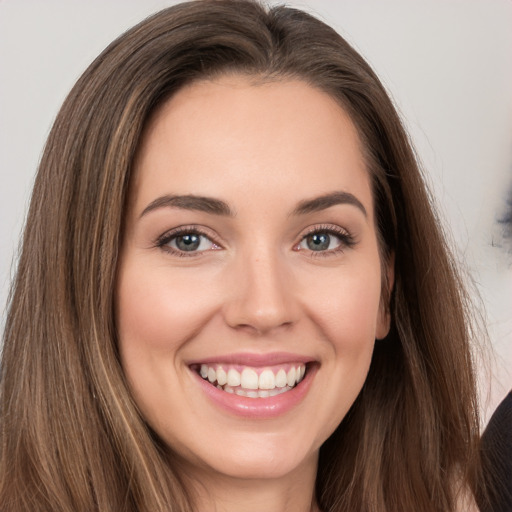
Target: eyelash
{"points": [[167, 237], [346, 240]]}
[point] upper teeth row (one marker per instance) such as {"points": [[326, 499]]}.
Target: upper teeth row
{"points": [[249, 378]]}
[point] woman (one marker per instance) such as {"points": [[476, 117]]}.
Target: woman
{"points": [[233, 293]]}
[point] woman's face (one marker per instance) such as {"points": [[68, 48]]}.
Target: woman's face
{"points": [[248, 298]]}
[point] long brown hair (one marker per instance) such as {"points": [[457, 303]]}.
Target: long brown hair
{"points": [[71, 435]]}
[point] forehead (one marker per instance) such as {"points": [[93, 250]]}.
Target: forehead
{"points": [[233, 136]]}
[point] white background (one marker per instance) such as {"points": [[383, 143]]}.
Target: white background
{"points": [[446, 63]]}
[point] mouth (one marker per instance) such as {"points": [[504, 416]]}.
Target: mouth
{"points": [[252, 382]]}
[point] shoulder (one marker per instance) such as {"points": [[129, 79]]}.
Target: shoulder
{"points": [[497, 437], [497, 457]]}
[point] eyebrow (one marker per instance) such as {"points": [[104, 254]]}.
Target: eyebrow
{"points": [[326, 201], [190, 202], [219, 207]]}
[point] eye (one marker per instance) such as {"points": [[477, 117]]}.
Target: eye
{"points": [[186, 240], [327, 240], [320, 242]]}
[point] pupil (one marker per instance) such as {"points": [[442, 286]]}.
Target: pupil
{"points": [[188, 242], [318, 241]]}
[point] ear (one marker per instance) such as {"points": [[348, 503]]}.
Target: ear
{"points": [[384, 315]]}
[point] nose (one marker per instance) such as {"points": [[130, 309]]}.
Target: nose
{"points": [[261, 295]]}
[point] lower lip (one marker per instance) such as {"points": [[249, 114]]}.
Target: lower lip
{"points": [[270, 407]]}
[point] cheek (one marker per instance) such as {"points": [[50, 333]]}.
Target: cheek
{"points": [[347, 307], [158, 311], [347, 317]]}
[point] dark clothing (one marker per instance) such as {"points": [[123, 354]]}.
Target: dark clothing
{"points": [[497, 457]]}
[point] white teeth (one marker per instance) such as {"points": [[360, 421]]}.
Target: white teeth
{"points": [[233, 377], [248, 383], [249, 379], [267, 380], [278, 391], [290, 377], [222, 378], [281, 379], [261, 393]]}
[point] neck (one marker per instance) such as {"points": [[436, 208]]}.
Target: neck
{"points": [[293, 492]]}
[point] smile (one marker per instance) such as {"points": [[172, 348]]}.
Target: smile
{"points": [[252, 382], [256, 386]]}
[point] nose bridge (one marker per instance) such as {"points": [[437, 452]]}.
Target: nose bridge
{"points": [[262, 293]]}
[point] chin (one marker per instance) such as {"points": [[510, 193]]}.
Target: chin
{"points": [[253, 457]]}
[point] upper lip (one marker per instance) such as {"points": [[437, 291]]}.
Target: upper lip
{"points": [[254, 359]]}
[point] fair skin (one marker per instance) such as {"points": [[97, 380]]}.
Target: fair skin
{"points": [[272, 266]]}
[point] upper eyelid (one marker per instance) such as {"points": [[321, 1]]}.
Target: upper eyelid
{"points": [[174, 232], [163, 242], [348, 239], [330, 228]]}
